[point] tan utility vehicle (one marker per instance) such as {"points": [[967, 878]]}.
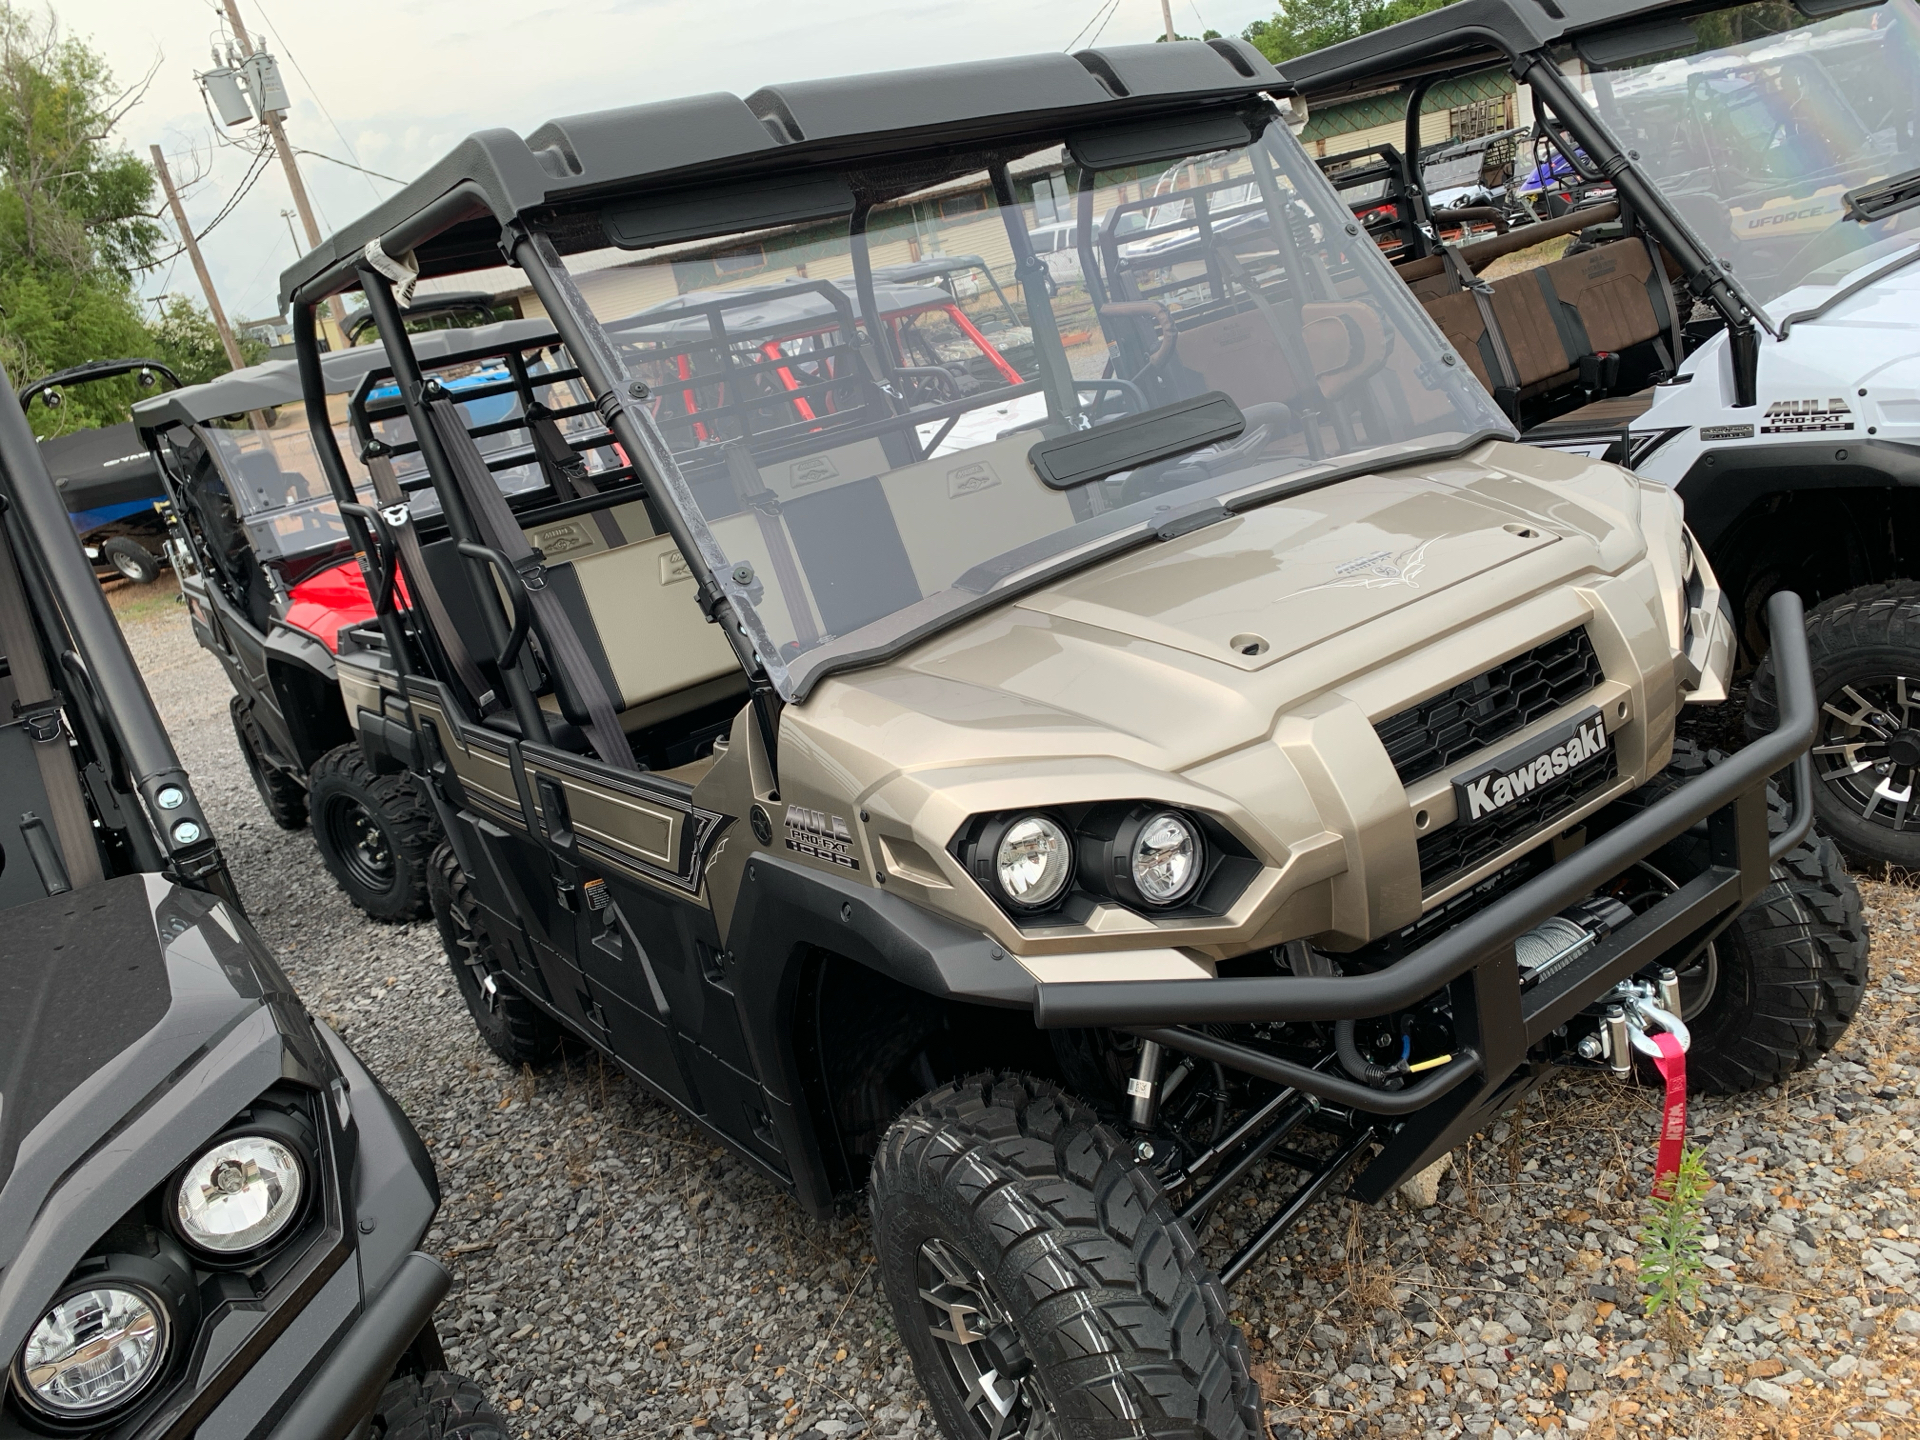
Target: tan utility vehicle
{"points": [[1042, 801]]}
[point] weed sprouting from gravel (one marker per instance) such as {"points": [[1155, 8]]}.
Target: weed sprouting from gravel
{"points": [[1673, 1258]]}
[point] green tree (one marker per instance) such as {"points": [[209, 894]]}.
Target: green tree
{"points": [[1299, 28], [77, 224]]}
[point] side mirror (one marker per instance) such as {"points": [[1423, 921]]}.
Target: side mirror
{"points": [[144, 379]]}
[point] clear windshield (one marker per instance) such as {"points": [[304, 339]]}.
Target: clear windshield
{"points": [[1757, 131], [854, 449]]}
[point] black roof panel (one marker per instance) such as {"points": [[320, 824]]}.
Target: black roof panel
{"points": [[451, 216], [1468, 29]]}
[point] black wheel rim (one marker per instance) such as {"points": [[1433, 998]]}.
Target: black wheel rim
{"points": [[984, 1355], [359, 839], [1868, 753]]}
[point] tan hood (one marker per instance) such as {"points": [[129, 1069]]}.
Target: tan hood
{"points": [[1180, 650]]}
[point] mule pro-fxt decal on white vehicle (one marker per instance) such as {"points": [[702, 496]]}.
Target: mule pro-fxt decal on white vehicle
{"points": [[1527, 768], [1800, 417]]}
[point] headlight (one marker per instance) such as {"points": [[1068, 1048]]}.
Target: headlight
{"points": [[240, 1195], [1142, 854], [1166, 858], [1032, 861], [96, 1350]]}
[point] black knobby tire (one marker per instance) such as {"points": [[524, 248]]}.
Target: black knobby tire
{"points": [[131, 560], [1864, 645], [1788, 972], [374, 833], [284, 797], [436, 1406], [1079, 1261], [513, 1027]]}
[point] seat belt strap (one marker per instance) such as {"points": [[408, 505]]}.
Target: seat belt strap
{"points": [[501, 530], [1482, 292], [36, 709], [773, 534], [399, 519]]}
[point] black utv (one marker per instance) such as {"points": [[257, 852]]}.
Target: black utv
{"points": [[270, 581], [1034, 804], [209, 1210]]}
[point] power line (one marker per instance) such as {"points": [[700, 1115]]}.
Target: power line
{"points": [[336, 160], [314, 91], [1111, 11], [256, 167], [1104, 6]]}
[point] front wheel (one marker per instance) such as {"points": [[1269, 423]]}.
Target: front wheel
{"points": [[1776, 989], [1042, 1283], [284, 797], [374, 833], [1865, 649], [435, 1406], [512, 1026]]}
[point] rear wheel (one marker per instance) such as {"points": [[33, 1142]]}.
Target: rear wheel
{"points": [[436, 1406], [374, 833], [131, 560], [1042, 1283], [512, 1026], [1778, 987], [1865, 648], [284, 797]]}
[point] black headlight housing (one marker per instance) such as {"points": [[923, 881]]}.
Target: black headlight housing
{"points": [[1103, 837], [153, 1266]]}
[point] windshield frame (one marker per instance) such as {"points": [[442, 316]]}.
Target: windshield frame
{"points": [[726, 594]]}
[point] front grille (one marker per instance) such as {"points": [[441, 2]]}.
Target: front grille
{"points": [[1454, 724], [1461, 846]]}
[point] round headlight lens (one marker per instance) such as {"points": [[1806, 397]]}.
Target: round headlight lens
{"points": [[1034, 861], [240, 1195], [93, 1351], [1166, 858]]}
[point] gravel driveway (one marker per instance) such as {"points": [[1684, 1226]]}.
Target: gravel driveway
{"points": [[615, 1273]]}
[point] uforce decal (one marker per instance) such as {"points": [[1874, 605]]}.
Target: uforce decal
{"points": [[1519, 773], [1796, 417], [822, 836]]}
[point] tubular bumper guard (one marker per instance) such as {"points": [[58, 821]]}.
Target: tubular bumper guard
{"points": [[347, 1387], [1498, 1022]]}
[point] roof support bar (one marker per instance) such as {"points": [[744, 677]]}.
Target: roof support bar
{"points": [[406, 374], [306, 352], [606, 376]]}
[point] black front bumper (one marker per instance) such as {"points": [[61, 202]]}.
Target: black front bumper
{"points": [[345, 1389], [1498, 1022]]}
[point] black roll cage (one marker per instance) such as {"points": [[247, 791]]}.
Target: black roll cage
{"points": [[94, 370]]}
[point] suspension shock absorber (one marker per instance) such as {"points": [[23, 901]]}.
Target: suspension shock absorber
{"points": [[1143, 1090]]}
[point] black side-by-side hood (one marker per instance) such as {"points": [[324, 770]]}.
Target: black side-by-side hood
{"points": [[136, 1018]]}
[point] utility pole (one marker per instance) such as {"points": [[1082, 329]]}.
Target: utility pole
{"points": [[199, 265], [1166, 15], [277, 129]]}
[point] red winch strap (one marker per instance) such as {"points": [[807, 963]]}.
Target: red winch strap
{"points": [[1673, 1127]]}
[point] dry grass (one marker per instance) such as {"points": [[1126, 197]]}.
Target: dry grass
{"points": [[1545, 253]]}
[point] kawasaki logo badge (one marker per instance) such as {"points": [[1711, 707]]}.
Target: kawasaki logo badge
{"points": [[1795, 417], [1521, 771]]}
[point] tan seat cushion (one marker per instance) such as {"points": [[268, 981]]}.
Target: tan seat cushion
{"points": [[656, 641], [1607, 289]]}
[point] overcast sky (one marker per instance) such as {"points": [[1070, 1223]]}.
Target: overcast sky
{"points": [[391, 84]]}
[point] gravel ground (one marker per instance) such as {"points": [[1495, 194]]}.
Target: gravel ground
{"points": [[615, 1273]]}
